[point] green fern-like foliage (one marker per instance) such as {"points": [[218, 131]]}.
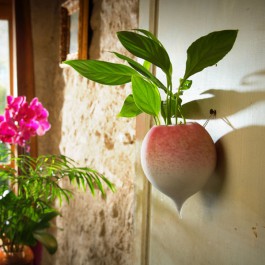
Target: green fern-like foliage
{"points": [[26, 214]]}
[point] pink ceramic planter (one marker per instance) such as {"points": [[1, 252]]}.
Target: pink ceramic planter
{"points": [[178, 159]]}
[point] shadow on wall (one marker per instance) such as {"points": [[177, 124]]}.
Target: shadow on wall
{"points": [[199, 109], [233, 101], [240, 162]]}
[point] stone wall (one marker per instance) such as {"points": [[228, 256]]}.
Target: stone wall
{"points": [[96, 231]]}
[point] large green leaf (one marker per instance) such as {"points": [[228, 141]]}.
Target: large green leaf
{"points": [[129, 108], [103, 72], [146, 96], [209, 50], [147, 49], [150, 35], [142, 70]]}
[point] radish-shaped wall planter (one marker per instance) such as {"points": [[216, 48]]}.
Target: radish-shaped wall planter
{"points": [[177, 157]]}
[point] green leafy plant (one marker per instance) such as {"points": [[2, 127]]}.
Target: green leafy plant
{"points": [[26, 215], [29, 187], [146, 87]]}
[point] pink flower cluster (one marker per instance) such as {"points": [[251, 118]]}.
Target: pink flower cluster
{"points": [[21, 120]]}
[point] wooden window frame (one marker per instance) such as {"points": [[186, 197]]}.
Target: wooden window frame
{"points": [[24, 56], [17, 12], [68, 8]]}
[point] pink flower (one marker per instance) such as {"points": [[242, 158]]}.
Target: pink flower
{"points": [[7, 132], [15, 103], [21, 120], [41, 115]]}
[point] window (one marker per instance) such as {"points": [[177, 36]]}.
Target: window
{"points": [[6, 58], [4, 63], [6, 51]]}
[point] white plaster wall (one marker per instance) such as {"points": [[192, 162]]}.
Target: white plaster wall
{"points": [[225, 222]]}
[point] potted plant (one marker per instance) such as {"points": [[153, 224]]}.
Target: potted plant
{"points": [[177, 156], [31, 185]]}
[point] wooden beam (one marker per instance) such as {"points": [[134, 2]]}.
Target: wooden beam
{"points": [[24, 52]]}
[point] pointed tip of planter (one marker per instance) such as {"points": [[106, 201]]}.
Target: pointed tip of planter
{"points": [[179, 205], [180, 214]]}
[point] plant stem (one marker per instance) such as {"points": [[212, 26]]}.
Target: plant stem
{"points": [[177, 99], [169, 100], [157, 121]]}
